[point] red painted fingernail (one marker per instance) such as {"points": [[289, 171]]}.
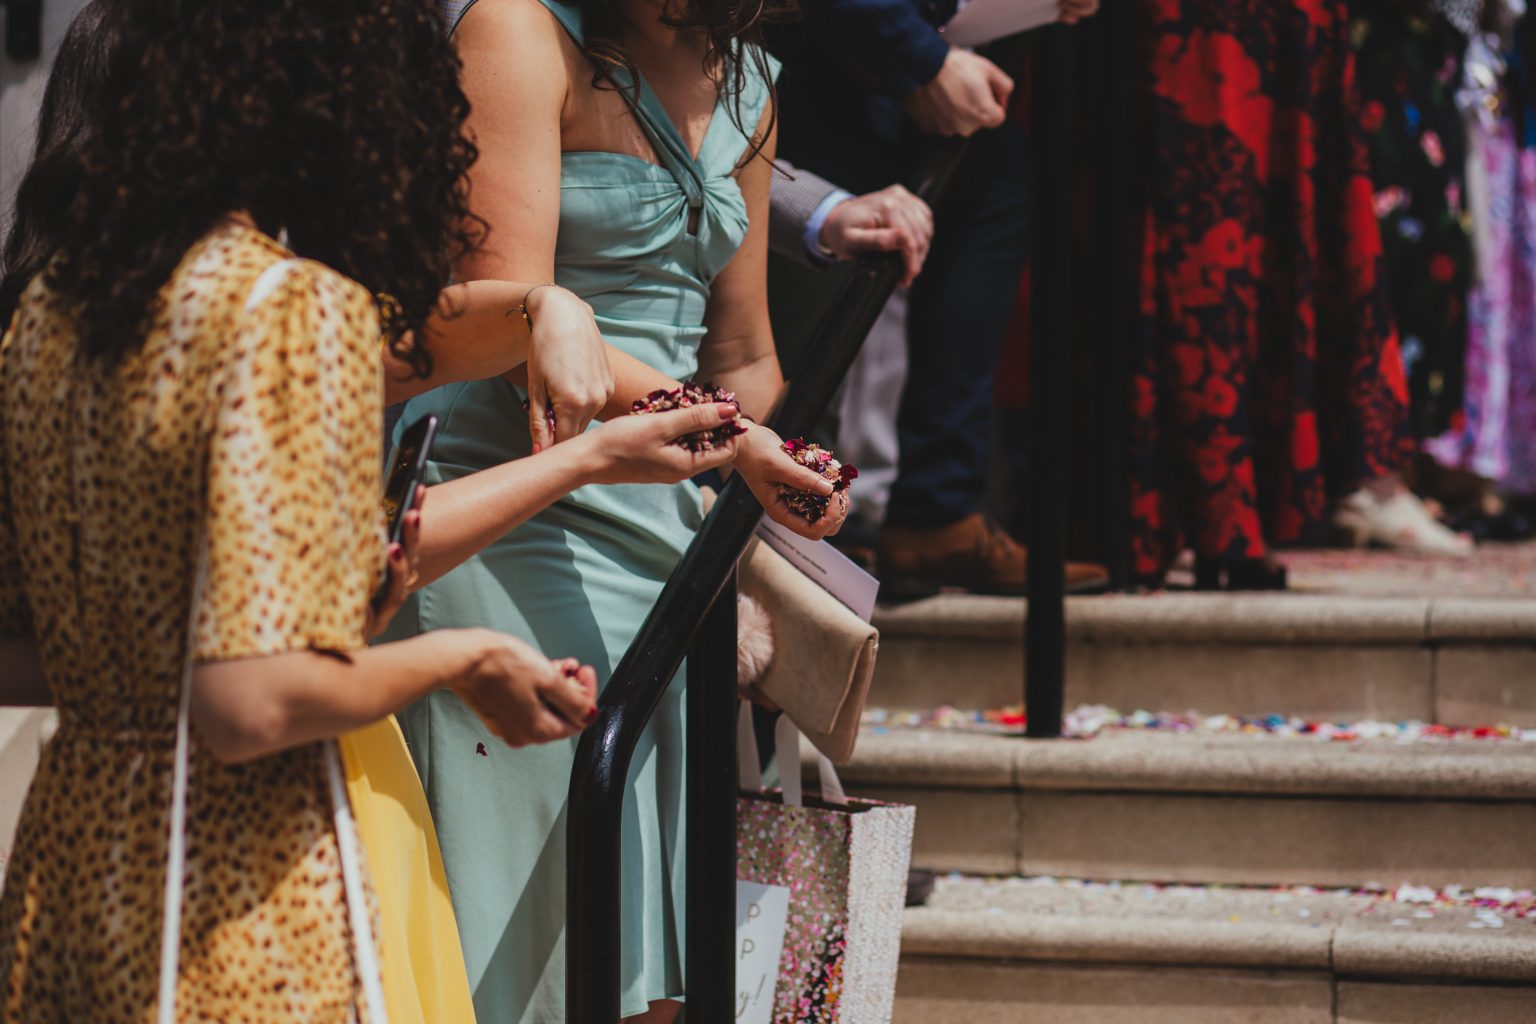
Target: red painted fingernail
{"points": [[592, 715]]}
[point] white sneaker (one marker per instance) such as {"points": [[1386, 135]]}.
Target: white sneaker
{"points": [[1400, 522]]}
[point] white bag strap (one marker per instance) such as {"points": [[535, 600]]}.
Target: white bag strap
{"points": [[786, 743], [364, 950], [176, 845]]}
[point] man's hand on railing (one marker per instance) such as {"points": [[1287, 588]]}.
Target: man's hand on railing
{"points": [[890, 220], [766, 469]]}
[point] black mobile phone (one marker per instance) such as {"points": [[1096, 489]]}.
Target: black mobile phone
{"points": [[407, 471]]}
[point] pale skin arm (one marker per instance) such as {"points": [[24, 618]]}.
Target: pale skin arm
{"points": [[469, 513], [476, 333], [738, 354], [738, 351], [250, 707], [246, 708], [516, 79]]}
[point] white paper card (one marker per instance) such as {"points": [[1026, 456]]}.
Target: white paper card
{"points": [[981, 21], [836, 573], [762, 916]]}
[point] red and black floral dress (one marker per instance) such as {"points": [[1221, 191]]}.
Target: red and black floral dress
{"points": [[1268, 378]]}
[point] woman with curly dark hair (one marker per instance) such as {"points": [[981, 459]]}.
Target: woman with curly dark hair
{"points": [[63, 126], [652, 120], [189, 474]]}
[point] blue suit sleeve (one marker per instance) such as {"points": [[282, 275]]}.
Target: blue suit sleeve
{"points": [[889, 40]]}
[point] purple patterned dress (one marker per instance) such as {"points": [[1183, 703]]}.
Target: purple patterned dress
{"points": [[1496, 437]]}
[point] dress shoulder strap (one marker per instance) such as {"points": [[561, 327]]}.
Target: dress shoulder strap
{"points": [[567, 12]]}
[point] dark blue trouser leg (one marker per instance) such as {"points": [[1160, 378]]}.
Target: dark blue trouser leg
{"points": [[958, 312]]}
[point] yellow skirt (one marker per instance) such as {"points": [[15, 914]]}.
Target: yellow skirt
{"points": [[423, 965]]}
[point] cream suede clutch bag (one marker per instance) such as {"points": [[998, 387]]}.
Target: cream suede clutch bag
{"points": [[823, 654]]}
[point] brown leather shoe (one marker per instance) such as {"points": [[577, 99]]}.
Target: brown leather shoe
{"points": [[974, 554]]}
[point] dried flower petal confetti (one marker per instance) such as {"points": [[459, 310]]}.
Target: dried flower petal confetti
{"points": [[690, 394], [814, 457], [1405, 903], [1089, 720]]}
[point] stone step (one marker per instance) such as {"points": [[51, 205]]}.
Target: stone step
{"points": [[1454, 661], [1038, 951], [1223, 808]]}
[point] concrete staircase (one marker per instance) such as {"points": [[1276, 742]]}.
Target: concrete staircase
{"points": [[1250, 810], [1455, 661], [1209, 811], [995, 952]]}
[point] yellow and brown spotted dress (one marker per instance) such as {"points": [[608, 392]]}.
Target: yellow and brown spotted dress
{"points": [[261, 429]]}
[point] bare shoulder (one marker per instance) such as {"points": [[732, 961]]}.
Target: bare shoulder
{"points": [[524, 27], [517, 59]]}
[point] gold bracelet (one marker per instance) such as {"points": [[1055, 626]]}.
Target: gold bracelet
{"points": [[522, 307]]}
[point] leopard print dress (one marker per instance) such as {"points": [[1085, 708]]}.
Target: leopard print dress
{"points": [[260, 431]]}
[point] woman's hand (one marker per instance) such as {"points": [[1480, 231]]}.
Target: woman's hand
{"points": [[639, 449], [762, 462], [568, 370], [401, 568], [524, 697]]}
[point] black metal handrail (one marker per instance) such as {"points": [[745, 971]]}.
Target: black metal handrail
{"points": [[602, 757], [1050, 309], [696, 614]]}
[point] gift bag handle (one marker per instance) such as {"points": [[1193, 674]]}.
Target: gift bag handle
{"points": [[786, 742], [365, 952]]}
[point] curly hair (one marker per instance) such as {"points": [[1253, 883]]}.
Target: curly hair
{"points": [[734, 31], [52, 179], [338, 122]]}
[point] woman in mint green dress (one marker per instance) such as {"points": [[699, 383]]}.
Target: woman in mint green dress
{"points": [[657, 142]]}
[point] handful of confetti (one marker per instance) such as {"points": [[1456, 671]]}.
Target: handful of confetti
{"points": [[816, 458], [691, 394]]}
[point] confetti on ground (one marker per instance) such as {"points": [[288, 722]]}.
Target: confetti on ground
{"points": [[1491, 906], [1090, 720]]}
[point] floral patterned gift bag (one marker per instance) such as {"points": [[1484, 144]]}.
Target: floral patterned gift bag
{"points": [[844, 862]]}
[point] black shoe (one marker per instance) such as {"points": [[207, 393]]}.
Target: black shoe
{"points": [[919, 886], [1240, 574]]}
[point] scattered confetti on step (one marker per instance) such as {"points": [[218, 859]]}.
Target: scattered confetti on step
{"points": [[1089, 720], [1403, 906]]}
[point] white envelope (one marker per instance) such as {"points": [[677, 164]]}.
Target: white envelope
{"points": [[981, 21]]}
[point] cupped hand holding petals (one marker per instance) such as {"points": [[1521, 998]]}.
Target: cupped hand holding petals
{"points": [[762, 463], [644, 449]]}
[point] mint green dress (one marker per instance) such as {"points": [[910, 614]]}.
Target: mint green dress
{"points": [[578, 580]]}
